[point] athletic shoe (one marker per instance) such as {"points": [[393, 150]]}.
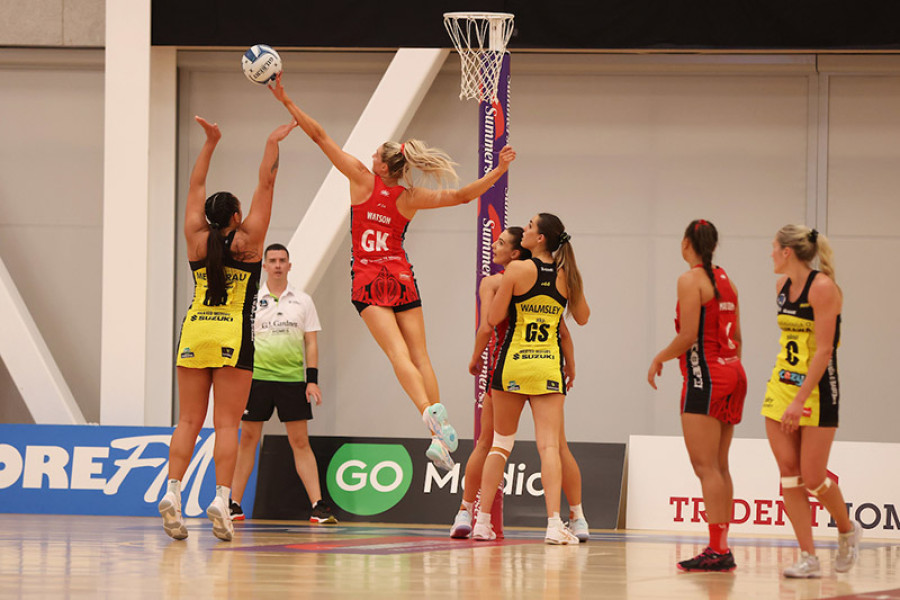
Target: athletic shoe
{"points": [[483, 532], [221, 519], [441, 429], [173, 523], [440, 455], [709, 560], [559, 535], [237, 513], [579, 528], [848, 549], [321, 513], [462, 525], [806, 568]]}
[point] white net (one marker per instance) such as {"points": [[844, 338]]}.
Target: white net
{"points": [[480, 39]]}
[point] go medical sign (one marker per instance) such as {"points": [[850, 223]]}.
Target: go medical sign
{"points": [[367, 479]]}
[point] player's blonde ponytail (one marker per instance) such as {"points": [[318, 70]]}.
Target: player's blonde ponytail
{"points": [[435, 164], [808, 245]]}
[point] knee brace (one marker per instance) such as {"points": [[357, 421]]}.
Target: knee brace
{"points": [[502, 442], [821, 489], [791, 482]]}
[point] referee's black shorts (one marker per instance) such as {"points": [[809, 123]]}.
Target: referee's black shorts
{"points": [[287, 396]]}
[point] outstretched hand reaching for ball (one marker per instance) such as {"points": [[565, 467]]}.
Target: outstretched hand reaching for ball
{"points": [[507, 155], [212, 129], [277, 88], [282, 131]]}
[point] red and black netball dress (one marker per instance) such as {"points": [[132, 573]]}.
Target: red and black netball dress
{"points": [[714, 380], [381, 273]]}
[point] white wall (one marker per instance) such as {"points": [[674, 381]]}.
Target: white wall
{"points": [[51, 191], [626, 150]]}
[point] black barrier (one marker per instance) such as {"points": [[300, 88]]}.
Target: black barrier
{"points": [[574, 24], [389, 480]]}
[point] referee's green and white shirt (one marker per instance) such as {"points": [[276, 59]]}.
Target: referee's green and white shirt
{"points": [[278, 334]]}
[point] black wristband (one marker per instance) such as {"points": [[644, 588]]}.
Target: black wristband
{"points": [[312, 375]]}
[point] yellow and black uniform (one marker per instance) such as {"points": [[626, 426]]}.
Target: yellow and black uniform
{"points": [[798, 345], [221, 336], [530, 359]]}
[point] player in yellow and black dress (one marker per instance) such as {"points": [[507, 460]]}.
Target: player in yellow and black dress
{"points": [[530, 360], [801, 404], [220, 335], [216, 343], [533, 295]]}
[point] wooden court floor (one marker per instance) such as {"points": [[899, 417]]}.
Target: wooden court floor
{"points": [[131, 557]]}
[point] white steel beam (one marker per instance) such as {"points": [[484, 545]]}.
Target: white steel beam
{"points": [[30, 363], [126, 198]]}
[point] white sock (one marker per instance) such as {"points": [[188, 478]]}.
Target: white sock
{"points": [[577, 511], [554, 520], [175, 488], [483, 517], [224, 493], [468, 506]]}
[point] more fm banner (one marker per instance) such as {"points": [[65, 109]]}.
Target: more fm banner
{"points": [[100, 470], [391, 481], [664, 493]]}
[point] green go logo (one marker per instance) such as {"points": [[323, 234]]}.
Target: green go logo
{"points": [[367, 479]]}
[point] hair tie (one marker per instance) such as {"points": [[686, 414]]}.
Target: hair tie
{"points": [[699, 223], [564, 238], [813, 236], [402, 147], [212, 224]]}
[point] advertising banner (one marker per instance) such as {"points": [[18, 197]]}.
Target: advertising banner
{"points": [[493, 134], [98, 470], [391, 481], [664, 493]]}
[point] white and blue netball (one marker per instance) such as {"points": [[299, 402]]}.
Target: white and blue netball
{"points": [[261, 64]]}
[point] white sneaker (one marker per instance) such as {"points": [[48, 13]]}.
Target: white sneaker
{"points": [[173, 523], [848, 549], [483, 532], [807, 567], [220, 516], [439, 454], [559, 535], [462, 525], [439, 423], [579, 528]]}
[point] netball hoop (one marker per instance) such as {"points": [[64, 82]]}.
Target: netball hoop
{"points": [[481, 39]]}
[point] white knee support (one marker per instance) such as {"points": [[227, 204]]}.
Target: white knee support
{"points": [[791, 482], [821, 489], [502, 442]]}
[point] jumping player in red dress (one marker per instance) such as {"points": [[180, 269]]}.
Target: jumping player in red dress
{"points": [[384, 289], [708, 344]]}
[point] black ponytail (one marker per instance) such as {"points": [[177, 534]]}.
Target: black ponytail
{"points": [[704, 238], [219, 209]]}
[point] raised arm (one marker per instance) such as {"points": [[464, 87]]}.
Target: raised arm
{"points": [[352, 168], [194, 214], [689, 305], [256, 223], [423, 198]]}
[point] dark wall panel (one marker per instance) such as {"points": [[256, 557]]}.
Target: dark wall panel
{"points": [[564, 24]]}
